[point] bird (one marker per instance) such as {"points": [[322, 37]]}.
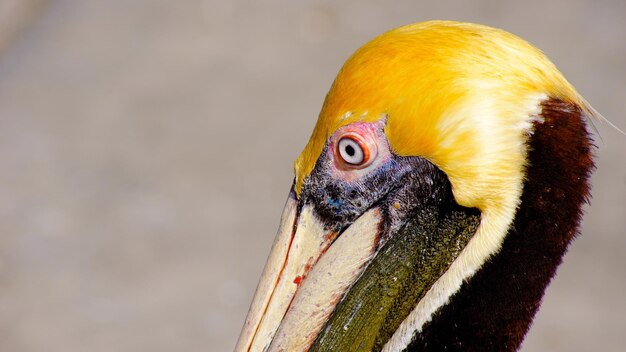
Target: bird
{"points": [[440, 189]]}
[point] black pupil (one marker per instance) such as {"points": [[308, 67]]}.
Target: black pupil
{"points": [[350, 150]]}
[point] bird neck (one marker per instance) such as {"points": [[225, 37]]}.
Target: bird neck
{"points": [[493, 310]]}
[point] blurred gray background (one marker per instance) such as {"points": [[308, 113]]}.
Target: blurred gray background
{"points": [[146, 150]]}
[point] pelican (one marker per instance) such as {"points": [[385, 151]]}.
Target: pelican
{"points": [[434, 201]]}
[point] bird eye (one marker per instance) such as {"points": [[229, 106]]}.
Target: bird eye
{"points": [[352, 151]]}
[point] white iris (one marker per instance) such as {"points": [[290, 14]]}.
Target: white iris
{"points": [[350, 151]]}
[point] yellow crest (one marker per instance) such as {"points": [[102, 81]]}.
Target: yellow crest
{"points": [[461, 95]]}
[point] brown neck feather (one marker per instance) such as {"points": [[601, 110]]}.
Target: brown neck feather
{"points": [[494, 309]]}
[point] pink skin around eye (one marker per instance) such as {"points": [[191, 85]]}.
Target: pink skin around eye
{"points": [[370, 136]]}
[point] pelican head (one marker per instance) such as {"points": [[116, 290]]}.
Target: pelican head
{"points": [[434, 201]]}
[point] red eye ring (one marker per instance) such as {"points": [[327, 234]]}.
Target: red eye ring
{"points": [[352, 151]]}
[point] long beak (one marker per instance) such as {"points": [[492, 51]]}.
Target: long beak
{"points": [[308, 271]]}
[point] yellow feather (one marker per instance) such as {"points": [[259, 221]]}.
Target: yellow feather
{"points": [[460, 95]]}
